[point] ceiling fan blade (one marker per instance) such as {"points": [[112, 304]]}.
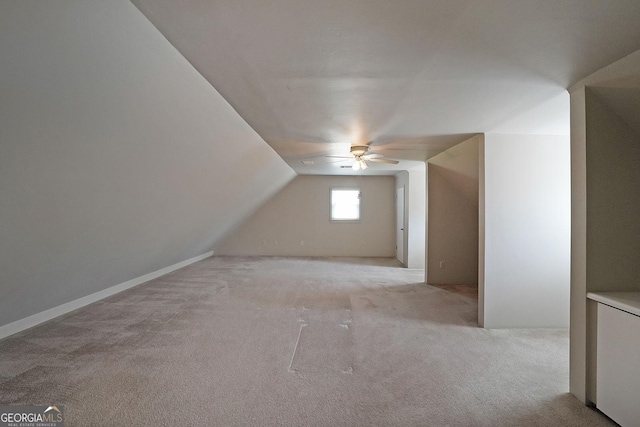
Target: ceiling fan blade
{"points": [[372, 156], [391, 162]]}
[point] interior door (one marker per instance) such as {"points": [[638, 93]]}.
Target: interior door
{"points": [[400, 224]]}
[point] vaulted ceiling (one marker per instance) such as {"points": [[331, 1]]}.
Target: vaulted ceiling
{"points": [[411, 77]]}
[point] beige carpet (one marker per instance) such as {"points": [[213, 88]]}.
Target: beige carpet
{"points": [[234, 341]]}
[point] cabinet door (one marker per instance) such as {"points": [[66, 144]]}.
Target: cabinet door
{"points": [[618, 366]]}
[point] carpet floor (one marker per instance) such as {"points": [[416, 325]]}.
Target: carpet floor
{"points": [[267, 341]]}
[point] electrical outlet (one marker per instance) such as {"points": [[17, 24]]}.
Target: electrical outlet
{"points": [[301, 242], [441, 264]]}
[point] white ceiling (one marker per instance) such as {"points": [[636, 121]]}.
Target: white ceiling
{"points": [[413, 77]]}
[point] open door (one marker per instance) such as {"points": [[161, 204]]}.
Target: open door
{"points": [[400, 224]]}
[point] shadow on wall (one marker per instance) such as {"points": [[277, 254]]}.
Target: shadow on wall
{"points": [[453, 227]]}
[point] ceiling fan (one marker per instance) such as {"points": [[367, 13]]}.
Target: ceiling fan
{"points": [[359, 153]]}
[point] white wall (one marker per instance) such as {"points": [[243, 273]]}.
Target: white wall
{"points": [[481, 230], [578, 312], [301, 213], [526, 231], [414, 183], [453, 214], [599, 133], [613, 203], [116, 157], [613, 196]]}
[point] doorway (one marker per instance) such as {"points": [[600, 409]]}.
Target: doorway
{"points": [[400, 224]]}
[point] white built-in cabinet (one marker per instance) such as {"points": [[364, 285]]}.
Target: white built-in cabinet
{"points": [[618, 356]]}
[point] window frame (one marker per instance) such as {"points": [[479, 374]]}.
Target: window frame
{"points": [[343, 221]]}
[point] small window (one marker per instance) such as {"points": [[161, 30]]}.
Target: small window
{"points": [[345, 205]]}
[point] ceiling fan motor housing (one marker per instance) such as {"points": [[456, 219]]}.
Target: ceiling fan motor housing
{"points": [[359, 150]]}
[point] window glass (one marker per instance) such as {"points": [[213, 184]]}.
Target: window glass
{"points": [[345, 205]]}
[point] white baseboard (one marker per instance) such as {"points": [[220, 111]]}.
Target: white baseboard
{"points": [[36, 319]]}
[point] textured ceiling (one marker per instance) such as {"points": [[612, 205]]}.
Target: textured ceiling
{"points": [[413, 77]]}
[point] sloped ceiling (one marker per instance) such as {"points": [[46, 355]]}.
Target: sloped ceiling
{"points": [[460, 167], [413, 77], [624, 102], [117, 158]]}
